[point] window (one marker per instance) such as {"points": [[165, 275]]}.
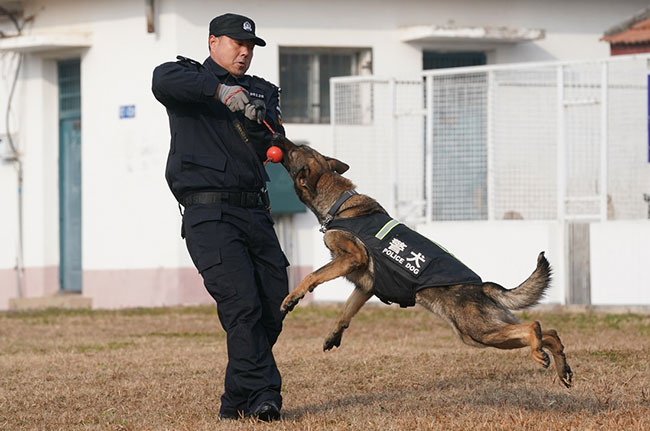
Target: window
{"points": [[442, 60], [304, 78]]}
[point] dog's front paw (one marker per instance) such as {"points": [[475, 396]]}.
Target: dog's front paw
{"points": [[289, 303], [333, 340]]}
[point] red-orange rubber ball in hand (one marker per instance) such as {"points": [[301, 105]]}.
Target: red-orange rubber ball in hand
{"points": [[274, 154]]}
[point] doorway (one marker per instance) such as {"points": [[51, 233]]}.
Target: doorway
{"points": [[70, 276]]}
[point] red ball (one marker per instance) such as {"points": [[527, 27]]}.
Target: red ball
{"points": [[274, 154]]}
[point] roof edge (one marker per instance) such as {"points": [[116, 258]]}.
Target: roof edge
{"points": [[45, 42], [641, 15], [420, 33]]}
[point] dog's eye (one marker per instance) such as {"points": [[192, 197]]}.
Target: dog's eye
{"points": [[300, 172]]}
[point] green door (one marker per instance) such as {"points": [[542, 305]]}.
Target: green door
{"points": [[70, 175], [281, 193]]}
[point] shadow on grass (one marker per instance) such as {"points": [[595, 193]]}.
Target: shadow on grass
{"points": [[463, 391]]}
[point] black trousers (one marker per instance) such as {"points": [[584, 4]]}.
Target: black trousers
{"points": [[238, 254]]}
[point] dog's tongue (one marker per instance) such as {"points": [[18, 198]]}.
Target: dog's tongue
{"points": [[273, 154]]}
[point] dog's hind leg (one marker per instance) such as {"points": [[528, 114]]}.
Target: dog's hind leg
{"points": [[552, 342], [354, 303], [517, 336]]}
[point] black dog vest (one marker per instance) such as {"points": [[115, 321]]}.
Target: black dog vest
{"points": [[405, 262]]}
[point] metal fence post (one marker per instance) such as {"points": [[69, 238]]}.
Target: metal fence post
{"points": [[490, 147], [392, 93], [604, 138], [428, 187], [561, 147], [562, 179], [333, 89]]}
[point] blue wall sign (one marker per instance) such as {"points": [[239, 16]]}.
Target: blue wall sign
{"points": [[127, 111]]}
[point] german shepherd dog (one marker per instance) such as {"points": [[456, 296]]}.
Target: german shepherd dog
{"points": [[479, 313]]}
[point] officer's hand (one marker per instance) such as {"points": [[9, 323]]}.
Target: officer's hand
{"points": [[233, 96], [255, 111]]}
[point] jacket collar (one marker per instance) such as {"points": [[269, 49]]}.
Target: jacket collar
{"points": [[222, 74], [215, 68]]}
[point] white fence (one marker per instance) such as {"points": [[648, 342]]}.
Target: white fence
{"points": [[545, 141], [562, 143]]}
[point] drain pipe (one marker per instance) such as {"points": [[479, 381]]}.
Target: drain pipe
{"points": [[20, 263], [17, 160], [15, 156]]}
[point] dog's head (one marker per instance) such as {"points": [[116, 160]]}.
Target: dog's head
{"points": [[306, 166]]}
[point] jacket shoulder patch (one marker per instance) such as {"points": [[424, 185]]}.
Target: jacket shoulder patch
{"points": [[264, 83]]}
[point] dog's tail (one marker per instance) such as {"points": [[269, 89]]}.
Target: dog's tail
{"points": [[527, 293]]}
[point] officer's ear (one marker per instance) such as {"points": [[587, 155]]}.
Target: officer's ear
{"points": [[336, 165], [213, 41]]}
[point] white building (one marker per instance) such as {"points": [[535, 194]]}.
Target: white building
{"points": [[97, 216]]}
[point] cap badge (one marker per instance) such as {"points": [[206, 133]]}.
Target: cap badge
{"points": [[247, 26]]}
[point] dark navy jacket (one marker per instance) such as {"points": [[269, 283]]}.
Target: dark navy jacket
{"points": [[404, 261], [213, 149]]}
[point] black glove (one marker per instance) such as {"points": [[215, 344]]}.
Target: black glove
{"points": [[255, 111]]}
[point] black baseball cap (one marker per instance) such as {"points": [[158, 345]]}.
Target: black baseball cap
{"points": [[235, 26]]}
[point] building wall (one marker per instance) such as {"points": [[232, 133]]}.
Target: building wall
{"points": [[619, 263], [132, 251]]}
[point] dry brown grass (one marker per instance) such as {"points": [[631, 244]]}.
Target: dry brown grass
{"points": [[157, 369]]}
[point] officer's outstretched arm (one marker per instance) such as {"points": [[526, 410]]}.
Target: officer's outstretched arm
{"points": [[177, 82]]}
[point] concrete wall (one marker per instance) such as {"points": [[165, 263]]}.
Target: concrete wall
{"points": [[620, 252], [132, 251]]}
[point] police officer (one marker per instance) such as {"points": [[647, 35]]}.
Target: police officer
{"points": [[215, 171]]}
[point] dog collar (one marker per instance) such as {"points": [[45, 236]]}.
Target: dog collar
{"points": [[332, 211]]}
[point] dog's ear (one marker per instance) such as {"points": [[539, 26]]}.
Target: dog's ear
{"points": [[301, 177], [307, 179], [336, 165]]}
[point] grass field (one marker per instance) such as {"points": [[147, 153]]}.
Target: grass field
{"points": [[159, 369]]}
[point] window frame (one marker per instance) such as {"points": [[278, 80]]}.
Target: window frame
{"points": [[360, 64]]}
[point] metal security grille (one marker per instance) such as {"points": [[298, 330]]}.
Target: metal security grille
{"points": [[523, 144], [543, 141], [69, 89], [378, 128], [458, 148], [628, 162]]}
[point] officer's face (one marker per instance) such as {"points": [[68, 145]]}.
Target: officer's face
{"points": [[232, 54]]}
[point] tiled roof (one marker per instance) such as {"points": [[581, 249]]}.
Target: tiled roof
{"points": [[633, 30]]}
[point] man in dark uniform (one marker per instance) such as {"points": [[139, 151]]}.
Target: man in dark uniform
{"points": [[215, 171]]}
